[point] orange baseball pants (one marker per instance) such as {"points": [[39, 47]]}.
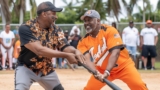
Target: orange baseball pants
{"points": [[128, 74]]}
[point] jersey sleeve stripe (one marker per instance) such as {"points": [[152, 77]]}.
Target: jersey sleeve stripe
{"points": [[121, 47]]}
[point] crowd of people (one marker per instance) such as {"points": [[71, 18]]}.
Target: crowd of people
{"points": [[144, 41], [10, 47], [37, 46]]}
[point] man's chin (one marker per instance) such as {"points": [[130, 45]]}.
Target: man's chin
{"points": [[88, 31]]}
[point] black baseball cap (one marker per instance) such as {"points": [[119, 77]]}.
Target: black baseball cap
{"points": [[131, 22], [50, 7]]}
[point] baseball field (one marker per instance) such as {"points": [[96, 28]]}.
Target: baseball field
{"points": [[76, 80]]}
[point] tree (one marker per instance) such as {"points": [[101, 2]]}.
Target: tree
{"points": [[5, 11], [113, 6], [91, 4], [129, 7], [33, 11]]}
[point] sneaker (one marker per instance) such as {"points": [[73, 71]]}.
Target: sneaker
{"points": [[145, 68], [3, 69], [153, 68]]}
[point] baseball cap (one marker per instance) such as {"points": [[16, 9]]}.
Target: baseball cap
{"points": [[130, 22], [149, 21], [50, 7], [91, 13]]}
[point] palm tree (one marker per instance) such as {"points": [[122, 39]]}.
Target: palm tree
{"points": [[91, 4], [33, 8], [129, 7], [19, 10], [5, 11], [113, 6]]}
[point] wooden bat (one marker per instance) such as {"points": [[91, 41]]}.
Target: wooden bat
{"points": [[110, 84]]}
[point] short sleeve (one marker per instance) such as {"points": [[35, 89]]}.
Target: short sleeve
{"points": [[114, 40], [26, 35], [1, 34], [61, 38], [81, 47]]}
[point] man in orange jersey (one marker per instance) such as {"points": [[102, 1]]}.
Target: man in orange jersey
{"points": [[111, 59]]}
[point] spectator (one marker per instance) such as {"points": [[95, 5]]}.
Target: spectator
{"points": [[64, 63], [7, 41], [130, 38], [74, 41], [17, 50], [149, 39], [73, 28], [74, 38]]}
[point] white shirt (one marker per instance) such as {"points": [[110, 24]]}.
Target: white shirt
{"points": [[73, 28], [130, 36], [7, 37], [148, 36]]}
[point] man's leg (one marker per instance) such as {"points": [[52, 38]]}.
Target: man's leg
{"points": [[134, 51], [145, 52], [135, 83], [145, 63], [4, 57], [129, 49], [50, 82], [24, 78], [153, 62], [153, 54], [10, 52]]}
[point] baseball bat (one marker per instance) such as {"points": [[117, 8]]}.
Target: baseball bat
{"points": [[110, 84]]}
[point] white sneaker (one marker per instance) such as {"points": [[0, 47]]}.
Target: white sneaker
{"points": [[145, 68]]}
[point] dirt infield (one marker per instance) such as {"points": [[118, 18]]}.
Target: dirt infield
{"points": [[76, 80]]}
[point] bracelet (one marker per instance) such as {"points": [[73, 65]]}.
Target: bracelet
{"points": [[106, 71]]}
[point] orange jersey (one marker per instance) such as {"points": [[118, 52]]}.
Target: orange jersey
{"points": [[17, 46], [100, 47]]}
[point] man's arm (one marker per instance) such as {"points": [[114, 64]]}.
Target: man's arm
{"points": [[156, 40], [38, 49], [12, 42], [141, 41], [90, 64], [79, 55], [113, 59], [1, 40]]}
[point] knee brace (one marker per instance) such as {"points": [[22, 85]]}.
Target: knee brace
{"points": [[58, 87]]}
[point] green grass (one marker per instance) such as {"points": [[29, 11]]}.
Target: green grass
{"points": [[157, 66]]}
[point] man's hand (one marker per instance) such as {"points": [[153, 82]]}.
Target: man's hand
{"points": [[80, 57], [100, 76], [71, 58], [6, 47]]}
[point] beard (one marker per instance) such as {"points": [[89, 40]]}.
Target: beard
{"points": [[89, 31]]}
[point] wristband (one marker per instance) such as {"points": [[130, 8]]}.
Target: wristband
{"points": [[106, 71]]}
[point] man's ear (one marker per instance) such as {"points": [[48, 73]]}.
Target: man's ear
{"points": [[43, 14], [98, 20]]}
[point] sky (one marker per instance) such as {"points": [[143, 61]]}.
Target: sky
{"points": [[59, 3]]}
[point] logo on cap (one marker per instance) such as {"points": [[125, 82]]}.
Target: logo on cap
{"points": [[89, 12]]}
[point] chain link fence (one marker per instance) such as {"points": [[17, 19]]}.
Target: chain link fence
{"points": [[120, 27]]}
